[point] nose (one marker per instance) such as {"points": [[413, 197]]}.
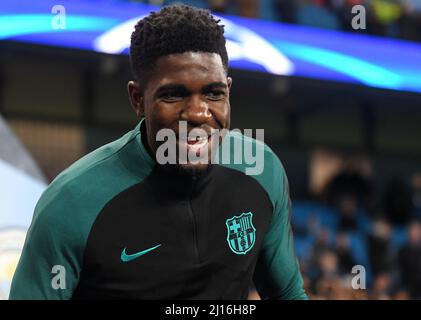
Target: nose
{"points": [[196, 111]]}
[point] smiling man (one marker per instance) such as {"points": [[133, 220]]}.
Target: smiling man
{"points": [[118, 224], [190, 89]]}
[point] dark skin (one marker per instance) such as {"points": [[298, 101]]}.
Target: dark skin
{"points": [[192, 87]]}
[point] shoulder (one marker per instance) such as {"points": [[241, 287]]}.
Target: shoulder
{"points": [[256, 160], [75, 197]]}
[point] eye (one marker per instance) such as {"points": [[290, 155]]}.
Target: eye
{"points": [[215, 95], [171, 96]]}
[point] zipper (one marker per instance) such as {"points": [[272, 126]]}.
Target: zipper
{"points": [[193, 218]]}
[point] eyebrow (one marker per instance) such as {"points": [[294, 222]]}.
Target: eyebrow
{"points": [[215, 85], [180, 87]]}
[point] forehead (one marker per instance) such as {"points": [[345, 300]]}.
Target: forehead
{"points": [[191, 69]]}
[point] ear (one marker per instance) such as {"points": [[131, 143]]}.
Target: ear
{"points": [[229, 82], [136, 98]]}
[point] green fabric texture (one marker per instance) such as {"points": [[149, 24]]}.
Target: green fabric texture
{"points": [[66, 211], [277, 274]]}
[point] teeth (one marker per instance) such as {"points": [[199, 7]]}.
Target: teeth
{"points": [[197, 139]]}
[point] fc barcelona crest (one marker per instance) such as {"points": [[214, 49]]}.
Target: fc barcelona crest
{"points": [[241, 233]]}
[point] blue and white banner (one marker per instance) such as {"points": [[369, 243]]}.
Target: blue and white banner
{"points": [[276, 48]]}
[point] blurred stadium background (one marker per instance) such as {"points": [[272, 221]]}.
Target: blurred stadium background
{"points": [[351, 148]]}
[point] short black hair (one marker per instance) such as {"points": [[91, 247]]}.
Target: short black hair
{"points": [[174, 29]]}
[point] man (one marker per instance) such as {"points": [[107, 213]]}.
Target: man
{"points": [[119, 224], [409, 258]]}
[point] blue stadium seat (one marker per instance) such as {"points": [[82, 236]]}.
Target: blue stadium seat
{"points": [[302, 212], [399, 237], [328, 218], [364, 222], [359, 248], [303, 247]]}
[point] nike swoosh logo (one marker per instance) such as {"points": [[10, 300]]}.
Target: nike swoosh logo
{"points": [[129, 257]]}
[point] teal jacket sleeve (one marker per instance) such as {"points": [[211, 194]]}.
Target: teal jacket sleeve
{"points": [[49, 265], [277, 274], [52, 257]]}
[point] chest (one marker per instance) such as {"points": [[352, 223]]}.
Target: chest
{"points": [[148, 243]]}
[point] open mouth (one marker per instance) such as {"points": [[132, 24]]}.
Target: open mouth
{"points": [[196, 145], [198, 141]]}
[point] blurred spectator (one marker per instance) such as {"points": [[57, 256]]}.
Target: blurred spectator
{"points": [[328, 264], [382, 287], [358, 294], [397, 202], [379, 247], [328, 283], [411, 21], [331, 289], [401, 294], [245, 8], [387, 14], [349, 182], [348, 209], [314, 226], [286, 10], [410, 260], [345, 259], [321, 246]]}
